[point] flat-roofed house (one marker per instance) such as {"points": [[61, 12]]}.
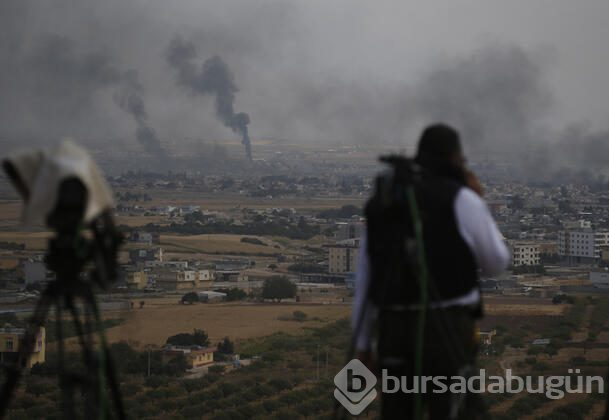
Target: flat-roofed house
{"points": [[196, 356], [12, 341]]}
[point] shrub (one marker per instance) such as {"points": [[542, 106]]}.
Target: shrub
{"points": [[155, 381], [280, 384], [130, 389], [254, 241], [197, 338], [216, 369], [190, 298], [299, 316], [191, 385], [39, 388]]}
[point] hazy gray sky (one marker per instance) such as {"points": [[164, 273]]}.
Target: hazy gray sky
{"points": [[310, 70]]}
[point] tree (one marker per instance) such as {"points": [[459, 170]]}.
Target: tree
{"points": [[126, 358], [277, 288], [234, 293], [190, 298], [551, 350], [226, 346], [197, 338]]}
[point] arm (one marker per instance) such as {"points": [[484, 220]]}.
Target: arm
{"points": [[480, 232]]}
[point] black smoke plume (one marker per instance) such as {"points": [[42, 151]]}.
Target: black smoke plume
{"points": [[129, 99], [66, 83], [214, 78]]}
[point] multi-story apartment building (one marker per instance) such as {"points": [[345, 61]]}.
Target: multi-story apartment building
{"points": [[342, 256], [350, 230], [583, 245], [525, 253]]}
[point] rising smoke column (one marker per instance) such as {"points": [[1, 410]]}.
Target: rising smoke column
{"points": [[66, 81], [129, 98], [214, 78], [495, 96]]}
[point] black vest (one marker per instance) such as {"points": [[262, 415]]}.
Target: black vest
{"points": [[392, 249]]}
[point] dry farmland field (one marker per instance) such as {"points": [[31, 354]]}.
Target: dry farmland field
{"points": [[161, 318], [225, 201], [33, 241], [218, 244], [520, 306]]}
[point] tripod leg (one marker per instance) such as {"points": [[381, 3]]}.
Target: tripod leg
{"points": [[67, 402], [109, 363], [91, 387]]}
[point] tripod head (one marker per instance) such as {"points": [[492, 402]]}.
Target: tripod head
{"points": [[70, 249], [64, 189], [390, 186]]}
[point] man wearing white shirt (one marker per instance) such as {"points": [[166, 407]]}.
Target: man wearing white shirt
{"points": [[461, 241]]}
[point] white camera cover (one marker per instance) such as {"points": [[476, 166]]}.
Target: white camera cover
{"points": [[42, 171]]}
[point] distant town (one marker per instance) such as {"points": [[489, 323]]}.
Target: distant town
{"points": [[204, 253]]}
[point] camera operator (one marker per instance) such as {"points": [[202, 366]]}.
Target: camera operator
{"points": [[461, 240]]}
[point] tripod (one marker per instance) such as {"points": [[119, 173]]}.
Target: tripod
{"points": [[69, 254]]}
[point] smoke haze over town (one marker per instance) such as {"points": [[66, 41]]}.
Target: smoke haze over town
{"points": [[516, 81], [206, 213]]}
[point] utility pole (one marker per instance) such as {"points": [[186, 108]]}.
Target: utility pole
{"points": [[326, 373], [317, 375]]}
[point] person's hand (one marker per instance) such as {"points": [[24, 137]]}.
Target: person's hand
{"points": [[472, 181]]}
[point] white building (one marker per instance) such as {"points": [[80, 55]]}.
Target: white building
{"points": [[525, 253], [583, 244], [207, 275], [342, 256], [577, 224], [600, 279], [35, 272], [350, 230]]}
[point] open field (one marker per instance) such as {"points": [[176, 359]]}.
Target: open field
{"points": [[521, 306], [140, 220], [33, 240], [161, 318], [219, 244], [523, 310], [225, 201]]}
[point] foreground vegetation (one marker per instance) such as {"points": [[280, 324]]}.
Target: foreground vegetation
{"points": [[283, 382], [291, 375]]}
